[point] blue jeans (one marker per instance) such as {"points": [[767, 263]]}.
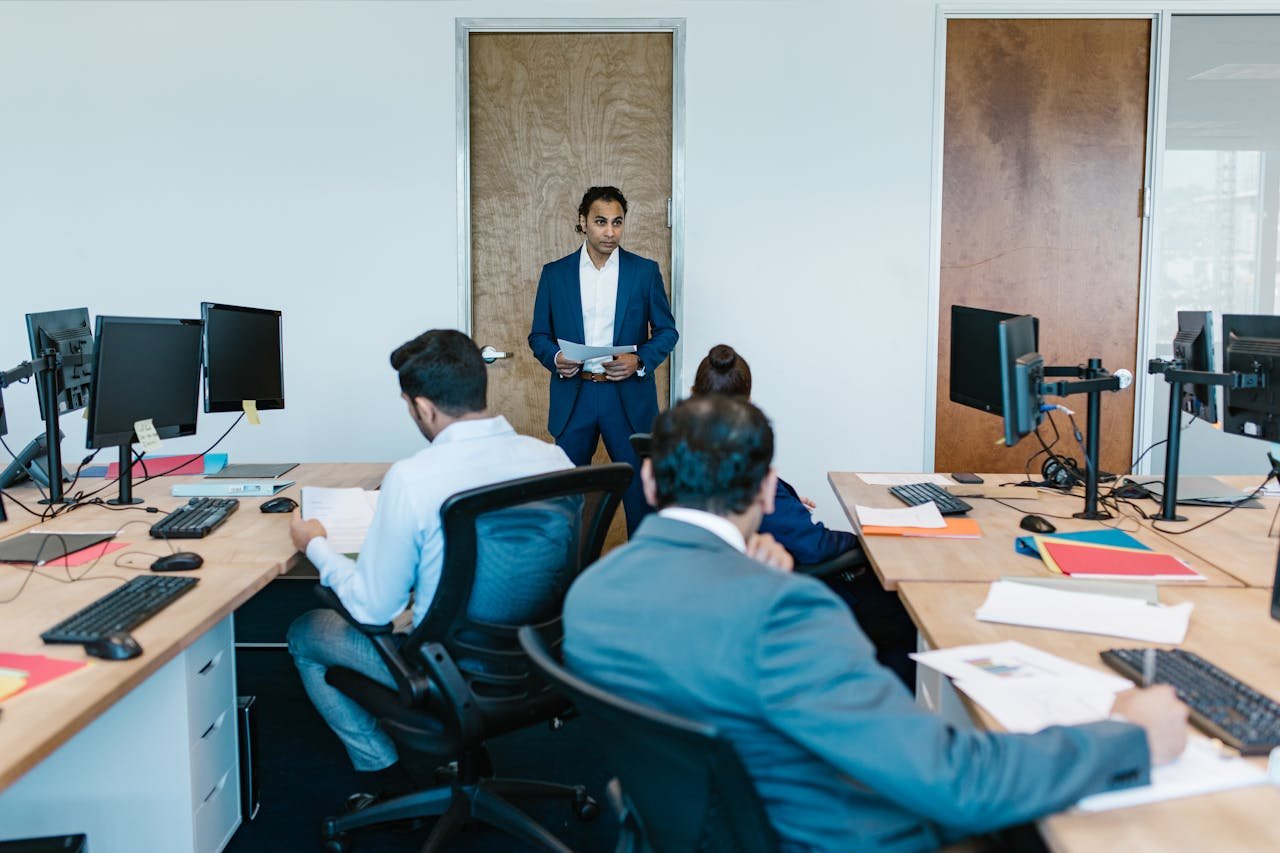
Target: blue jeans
{"points": [[320, 639]]}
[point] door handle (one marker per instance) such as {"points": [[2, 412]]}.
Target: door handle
{"points": [[490, 355]]}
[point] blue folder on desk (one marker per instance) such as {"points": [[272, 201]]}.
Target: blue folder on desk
{"points": [[1115, 538]]}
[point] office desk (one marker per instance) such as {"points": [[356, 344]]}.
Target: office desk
{"points": [[1231, 627], [898, 559], [140, 754]]}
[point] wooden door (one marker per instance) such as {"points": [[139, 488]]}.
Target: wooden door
{"points": [[1043, 152], [550, 115]]}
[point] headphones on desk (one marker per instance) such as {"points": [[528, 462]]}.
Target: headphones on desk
{"points": [[1062, 472]]}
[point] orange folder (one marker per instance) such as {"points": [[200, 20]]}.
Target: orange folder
{"points": [[957, 528]]}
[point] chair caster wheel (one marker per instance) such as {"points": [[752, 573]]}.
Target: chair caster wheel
{"points": [[337, 844], [585, 808]]}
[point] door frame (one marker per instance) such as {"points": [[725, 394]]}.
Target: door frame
{"points": [[1155, 134], [464, 27]]}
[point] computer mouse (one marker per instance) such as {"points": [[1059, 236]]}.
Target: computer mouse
{"points": [[1036, 524], [117, 646], [183, 561], [279, 505]]}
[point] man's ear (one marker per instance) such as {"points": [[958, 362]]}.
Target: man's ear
{"points": [[648, 482], [425, 408], [582, 224], [768, 491]]}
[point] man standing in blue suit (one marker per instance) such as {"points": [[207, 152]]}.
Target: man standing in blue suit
{"points": [[603, 295], [681, 618]]}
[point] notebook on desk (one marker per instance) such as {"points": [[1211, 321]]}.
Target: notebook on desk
{"points": [[1194, 490], [253, 471], [41, 548]]}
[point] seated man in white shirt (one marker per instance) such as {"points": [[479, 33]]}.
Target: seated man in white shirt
{"points": [[444, 383]]}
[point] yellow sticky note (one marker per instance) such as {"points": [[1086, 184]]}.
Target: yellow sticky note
{"points": [[11, 684], [251, 409], [84, 413], [147, 435]]}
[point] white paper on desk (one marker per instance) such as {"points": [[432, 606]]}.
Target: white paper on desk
{"points": [[905, 479], [345, 513], [1088, 613], [922, 515], [582, 352], [1010, 661], [1030, 707], [1201, 769]]}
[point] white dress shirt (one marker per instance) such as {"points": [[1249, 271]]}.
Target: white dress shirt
{"points": [[599, 291], [709, 521], [404, 550]]}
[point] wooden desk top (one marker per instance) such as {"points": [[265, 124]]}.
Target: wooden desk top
{"points": [[898, 559], [1231, 627], [241, 557]]}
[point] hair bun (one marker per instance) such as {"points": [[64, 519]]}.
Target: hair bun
{"points": [[722, 357]]}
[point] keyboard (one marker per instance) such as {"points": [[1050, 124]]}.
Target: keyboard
{"points": [[1221, 705], [121, 609], [914, 494], [196, 520]]}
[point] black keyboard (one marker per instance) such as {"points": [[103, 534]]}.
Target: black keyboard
{"points": [[914, 494], [196, 520], [1220, 704], [121, 609]]}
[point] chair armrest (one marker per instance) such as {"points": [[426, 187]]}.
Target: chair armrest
{"points": [[330, 599], [854, 560]]}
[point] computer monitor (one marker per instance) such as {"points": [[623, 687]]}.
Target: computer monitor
{"points": [[1021, 372], [975, 358], [1251, 344], [1193, 346], [66, 332], [243, 357], [144, 368]]}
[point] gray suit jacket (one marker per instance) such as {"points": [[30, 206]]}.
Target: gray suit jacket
{"points": [[840, 753]]}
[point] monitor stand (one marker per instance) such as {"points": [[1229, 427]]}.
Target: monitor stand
{"points": [[31, 463], [125, 479]]}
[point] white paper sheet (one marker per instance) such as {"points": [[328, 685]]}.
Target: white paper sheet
{"points": [[1031, 707], [1039, 607], [1003, 663], [345, 513], [905, 479], [581, 352], [1201, 769], [922, 515]]}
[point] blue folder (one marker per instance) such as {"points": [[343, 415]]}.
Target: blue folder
{"points": [[1115, 538]]}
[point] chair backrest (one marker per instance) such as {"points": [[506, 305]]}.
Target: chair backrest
{"points": [[684, 778], [511, 550], [642, 444]]}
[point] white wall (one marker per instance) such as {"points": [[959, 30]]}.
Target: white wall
{"points": [[301, 156]]}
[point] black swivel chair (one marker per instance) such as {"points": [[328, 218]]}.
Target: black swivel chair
{"points": [[850, 564], [683, 784], [460, 679]]}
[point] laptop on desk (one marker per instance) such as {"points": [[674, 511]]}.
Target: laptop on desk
{"points": [[1194, 490]]}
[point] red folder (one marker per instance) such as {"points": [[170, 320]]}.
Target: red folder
{"points": [[162, 465], [1081, 560]]}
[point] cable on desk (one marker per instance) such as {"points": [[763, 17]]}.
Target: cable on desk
{"points": [[1230, 509], [35, 567]]}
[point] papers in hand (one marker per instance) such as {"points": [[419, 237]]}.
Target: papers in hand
{"points": [[345, 513], [1024, 688], [582, 352], [923, 515], [1014, 603]]}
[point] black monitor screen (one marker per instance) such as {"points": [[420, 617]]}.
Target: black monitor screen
{"points": [[145, 368], [1193, 346], [243, 358], [975, 357], [67, 332], [1251, 344]]}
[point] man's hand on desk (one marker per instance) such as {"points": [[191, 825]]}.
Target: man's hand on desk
{"points": [[1159, 712], [764, 548], [302, 531]]}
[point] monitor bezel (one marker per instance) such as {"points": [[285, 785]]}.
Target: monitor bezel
{"points": [[211, 405]]}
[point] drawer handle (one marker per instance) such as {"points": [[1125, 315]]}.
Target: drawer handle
{"points": [[214, 726], [218, 787], [213, 662]]}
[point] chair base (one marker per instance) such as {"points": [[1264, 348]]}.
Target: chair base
{"points": [[458, 804]]}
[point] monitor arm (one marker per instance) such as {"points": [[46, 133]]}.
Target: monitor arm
{"points": [[1176, 375], [1091, 379], [21, 373]]}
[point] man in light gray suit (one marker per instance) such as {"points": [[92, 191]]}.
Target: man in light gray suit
{"points": [[681, 619]]}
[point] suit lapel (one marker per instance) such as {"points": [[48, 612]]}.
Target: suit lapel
{"points": [[626, 286], [571, 300]]}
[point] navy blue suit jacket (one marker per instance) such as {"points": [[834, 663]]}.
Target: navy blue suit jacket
{"points": [[840, 754], [793, 526], [642, 316]]}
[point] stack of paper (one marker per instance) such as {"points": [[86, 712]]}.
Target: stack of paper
{"points": [[345, 513], [905, 479], [1087, 560], [1013, 603], [922, 520]]}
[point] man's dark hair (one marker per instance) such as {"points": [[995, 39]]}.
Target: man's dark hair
{"points": [[444, 366], [711, 453], [723, 371], [595, 194]]}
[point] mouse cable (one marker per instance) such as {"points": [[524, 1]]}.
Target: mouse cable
{"points": [[34, 568]]}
